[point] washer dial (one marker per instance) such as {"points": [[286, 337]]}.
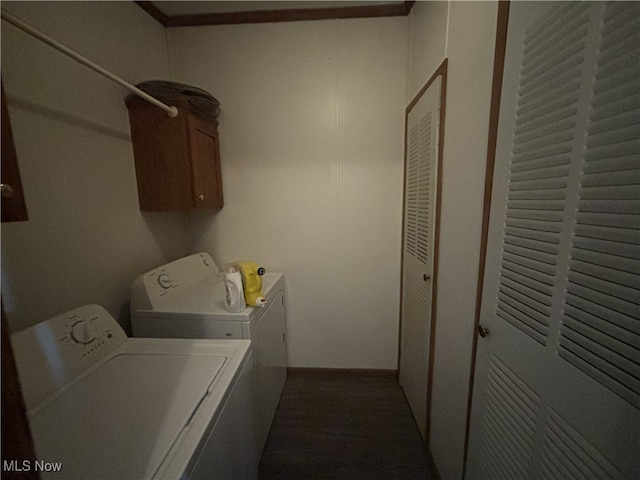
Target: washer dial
{"points": [[83, 332], [165, 280]]}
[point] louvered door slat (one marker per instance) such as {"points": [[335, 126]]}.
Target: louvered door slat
{"points": [[612, 150], [614, 131], [522, 272], [563, 442], [610, 303], [609, 102], [610, 359], [511, 422], [620, 235], [579, 319], [542, 173], [617, 312], [613, 165], [622, 192], [530, 201], [537, 287], [523, 224], [533, 234], [629, 222], [518, 299], [601, 239], [619, 256], [526, 258], [546, 27], [610, 120], [536, 291], [613, 375], [618, 350], [539, 141], [533, 244], [540, 163], [610, 178], [605, 273]]}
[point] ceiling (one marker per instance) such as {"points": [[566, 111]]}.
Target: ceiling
{"points": [[190, 13]]}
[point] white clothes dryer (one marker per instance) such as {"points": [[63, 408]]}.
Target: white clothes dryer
{"points": [[104, 406], [186, 299]]}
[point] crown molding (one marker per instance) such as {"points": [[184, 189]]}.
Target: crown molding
{"points": [[269, 16]]}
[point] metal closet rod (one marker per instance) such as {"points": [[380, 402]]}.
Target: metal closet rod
{"points": [[25, 27]]}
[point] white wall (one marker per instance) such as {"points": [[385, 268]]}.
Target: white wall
{"points": [[86, 239], [463, 32], [428, 24], [311, 136]]}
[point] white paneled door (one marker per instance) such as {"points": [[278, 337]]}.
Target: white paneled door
{"points": [[421, 164], [557, 381]]}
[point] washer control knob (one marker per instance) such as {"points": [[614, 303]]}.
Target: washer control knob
{"points": [[164, 280], [83, 332]]}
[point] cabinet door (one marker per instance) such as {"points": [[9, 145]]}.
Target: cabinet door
{"points": [[205, 158], [161, 152], [14, 208]]}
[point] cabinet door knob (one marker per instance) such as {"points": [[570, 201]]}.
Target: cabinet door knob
{"points": [[483, 331], [201, 197], [6, 190]]}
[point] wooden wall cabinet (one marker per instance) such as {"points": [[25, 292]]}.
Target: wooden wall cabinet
{"points": [[14, 207], [177, 159]]}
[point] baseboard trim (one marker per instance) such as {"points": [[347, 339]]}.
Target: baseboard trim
{"points": [[343, 372]]}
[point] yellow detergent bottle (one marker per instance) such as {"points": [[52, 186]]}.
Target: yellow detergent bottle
{"points": [[252, 283]]}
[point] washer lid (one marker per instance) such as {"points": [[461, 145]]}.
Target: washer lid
{"points": [[121, 420]]}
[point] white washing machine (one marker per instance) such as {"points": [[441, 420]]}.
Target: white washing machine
{"points": [[186, 299], [104, 406]]}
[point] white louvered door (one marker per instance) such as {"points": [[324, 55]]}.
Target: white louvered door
{"points": [[557, 381], [417, 269]]}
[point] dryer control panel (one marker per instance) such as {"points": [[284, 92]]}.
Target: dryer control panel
{"points": [[158, 286]]}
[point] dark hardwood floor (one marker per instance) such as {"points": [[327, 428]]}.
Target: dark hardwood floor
{"points": [[334, 424]]}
